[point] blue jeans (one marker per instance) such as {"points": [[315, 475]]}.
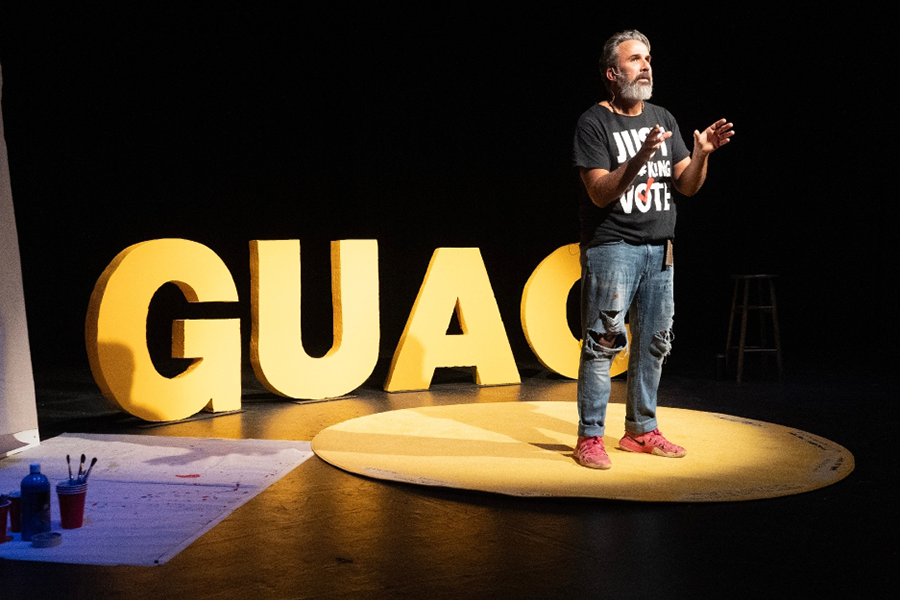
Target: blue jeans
{"points": [[615, 278]]}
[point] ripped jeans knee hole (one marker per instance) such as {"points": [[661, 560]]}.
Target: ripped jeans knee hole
{"points": [[661, 345]]}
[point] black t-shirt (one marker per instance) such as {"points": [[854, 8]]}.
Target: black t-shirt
{"points": [[645, 213]]}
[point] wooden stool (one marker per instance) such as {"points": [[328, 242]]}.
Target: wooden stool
{"points": [[742, 285]]}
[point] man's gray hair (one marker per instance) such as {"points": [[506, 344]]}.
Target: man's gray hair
{"points": [[610, 56]]}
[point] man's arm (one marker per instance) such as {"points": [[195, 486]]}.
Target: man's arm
{"points": [[605, 187], [690, 173]]}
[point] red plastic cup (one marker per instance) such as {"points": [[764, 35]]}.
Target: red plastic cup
{"points": [[71, 504], [15, 512], [4, 508]]}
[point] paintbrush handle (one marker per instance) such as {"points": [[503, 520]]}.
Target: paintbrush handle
{"points": [[93, 462]]}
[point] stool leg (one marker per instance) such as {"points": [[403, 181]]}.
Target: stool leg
{"points": [[731, 323], [763, 335], [743, 342], [775, 329]]}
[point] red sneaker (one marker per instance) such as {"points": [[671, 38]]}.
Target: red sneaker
{"points": [[589, 452], [652, 442]]}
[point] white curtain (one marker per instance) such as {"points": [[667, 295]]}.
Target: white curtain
{"points": [[18, 413]]}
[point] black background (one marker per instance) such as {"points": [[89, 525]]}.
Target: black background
{"points": [[430, 127]]}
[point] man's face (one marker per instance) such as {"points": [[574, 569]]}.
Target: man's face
{"points": [[634, 77]]}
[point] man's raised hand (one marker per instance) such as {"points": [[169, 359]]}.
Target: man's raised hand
{"points": [[653, 141], [713, 137]]}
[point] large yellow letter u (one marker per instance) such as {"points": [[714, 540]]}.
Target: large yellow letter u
{"points": [[276, 344]]}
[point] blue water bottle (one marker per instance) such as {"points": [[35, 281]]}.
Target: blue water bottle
{"points": [[35, 503]]}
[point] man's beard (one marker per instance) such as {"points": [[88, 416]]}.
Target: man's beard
{"points": [[634, 90]]}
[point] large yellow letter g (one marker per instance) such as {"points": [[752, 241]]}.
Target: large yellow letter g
{"points": [[116, 332]]}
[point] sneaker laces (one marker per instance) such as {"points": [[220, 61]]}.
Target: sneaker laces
{"points": [[591, 441], [657, 439]]}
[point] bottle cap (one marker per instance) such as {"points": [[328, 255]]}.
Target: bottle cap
{"points": [[35, 468], [46, 540]]}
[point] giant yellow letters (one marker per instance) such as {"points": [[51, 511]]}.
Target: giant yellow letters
{"points": [[456, 280], [276, 346], [116, 332]]}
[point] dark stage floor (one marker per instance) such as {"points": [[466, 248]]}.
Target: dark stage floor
{"points": [[323, 533]]}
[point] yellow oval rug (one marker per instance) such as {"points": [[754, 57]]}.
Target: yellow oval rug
{"points": [[525, 449]]}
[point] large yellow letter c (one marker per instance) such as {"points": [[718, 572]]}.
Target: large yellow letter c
{"points": [[544, 314]]}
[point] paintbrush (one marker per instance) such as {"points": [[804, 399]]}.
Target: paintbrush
{"points": [[93, 462], [69, 462], [81, 466]]}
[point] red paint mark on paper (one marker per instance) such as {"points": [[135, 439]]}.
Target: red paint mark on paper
{"points": [[188, 476]]}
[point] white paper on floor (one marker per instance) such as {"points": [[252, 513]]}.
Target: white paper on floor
{"points": [[148, 497]]}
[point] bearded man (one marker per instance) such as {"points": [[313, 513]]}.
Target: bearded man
{"points": [[630, 156]]}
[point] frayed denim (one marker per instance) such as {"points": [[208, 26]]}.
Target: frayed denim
{"points": [[615, 278]]}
